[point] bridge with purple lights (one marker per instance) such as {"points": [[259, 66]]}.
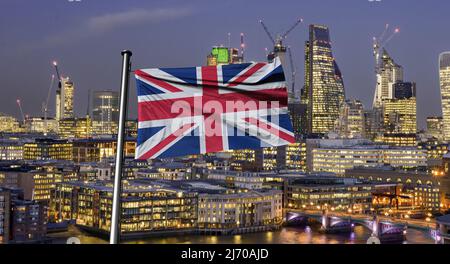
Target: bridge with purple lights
{"points": [[385, 231]]}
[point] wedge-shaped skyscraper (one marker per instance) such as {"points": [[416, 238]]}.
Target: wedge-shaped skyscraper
{"points": [[323, 93]]}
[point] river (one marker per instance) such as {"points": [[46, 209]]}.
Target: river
{"points": [[286, 235]]}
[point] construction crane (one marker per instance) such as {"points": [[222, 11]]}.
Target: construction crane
{"points": [[381, 42], [279, 50], [21, 110], [293, 71], [278, 41], [55, 64], [45, 103], [378, 45], [59, 91], [242, 47], [267, 32]]}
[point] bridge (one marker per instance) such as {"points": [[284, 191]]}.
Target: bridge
{"points": [[382, 229]]}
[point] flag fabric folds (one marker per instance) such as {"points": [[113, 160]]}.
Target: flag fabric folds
{"points": [[197, 110]]}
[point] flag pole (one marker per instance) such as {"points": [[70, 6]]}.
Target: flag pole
{"points": [[116, 210]]}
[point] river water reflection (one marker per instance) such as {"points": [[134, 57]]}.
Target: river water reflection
{"points": [[286, 235]]}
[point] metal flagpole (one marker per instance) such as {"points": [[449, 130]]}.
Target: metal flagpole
{"points": [[116, 210]]}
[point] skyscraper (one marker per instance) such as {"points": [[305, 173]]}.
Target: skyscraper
{"points": [[388, 74], [444, 76], [351, 123], [105, 112], [64, 99], [400, 116], [324, 91]]}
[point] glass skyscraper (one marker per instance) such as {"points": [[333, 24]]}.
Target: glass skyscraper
{"points": [[105, 112], [324, 87], [444, 74]]}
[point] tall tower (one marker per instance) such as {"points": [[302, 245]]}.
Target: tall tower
{"points": [[400, 113], [444, 77], [64, 99], [324, 87], [105, 112], [387, 75]]}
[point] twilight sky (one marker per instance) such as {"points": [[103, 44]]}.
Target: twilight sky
{"points": [[86, 38]]}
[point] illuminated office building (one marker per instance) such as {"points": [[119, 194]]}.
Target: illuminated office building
{"points": [[11, 150], [397, 139], [105, 112], [66, 128], [400, 116], [435, 127], [37, 182], [64, 99], [270, 159], [43, 181], [41, 125], [296, 156], [290, 157], [98, 149], [226, 213], [237, 179], [47, 149], [351, 122], [337, 156], [435, 149], [444, 76], [83, 127], [318, 192], [9, 124], [324, 87], [243, 160], [175, 171], [145, 207], [75, 128], [337, 160], [427, 198]]}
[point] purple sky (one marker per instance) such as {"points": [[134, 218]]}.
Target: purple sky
{"points": [[86, 38]]}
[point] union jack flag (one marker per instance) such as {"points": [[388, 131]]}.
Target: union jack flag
{"points": [[197, 110]]}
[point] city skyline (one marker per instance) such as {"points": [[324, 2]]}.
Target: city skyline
{"points": [[256, 122], [73, 34]]}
